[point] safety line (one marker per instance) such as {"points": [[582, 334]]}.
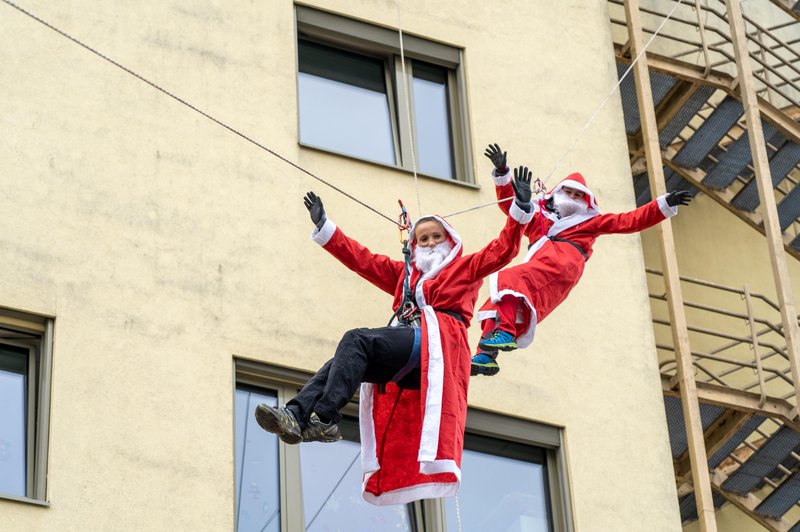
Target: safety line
{"points": [[591, 119], [408, 108], [603, 103], [192, 107]]}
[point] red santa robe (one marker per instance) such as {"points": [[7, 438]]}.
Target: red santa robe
{"points": [[552, 269], [412, 440]]}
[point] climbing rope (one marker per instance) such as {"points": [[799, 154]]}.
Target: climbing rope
{"points": [[408, 107], [583, 130], [194, 108]]}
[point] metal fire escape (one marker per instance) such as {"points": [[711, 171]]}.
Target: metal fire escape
{"points": [[734, 383]]}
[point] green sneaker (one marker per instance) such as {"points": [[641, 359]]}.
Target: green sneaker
{"points": [[316, 430], [484, 364], [279, 421]]}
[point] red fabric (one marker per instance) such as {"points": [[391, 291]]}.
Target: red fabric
{"points": [[398, 435], [554, 270]]}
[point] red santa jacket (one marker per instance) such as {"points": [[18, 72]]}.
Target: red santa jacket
{"points": [[412, 440], [551, 268]]}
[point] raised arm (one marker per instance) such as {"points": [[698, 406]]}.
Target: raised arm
{"points": [[380, 270], [501, 174], [502, 250], [645, 216]]}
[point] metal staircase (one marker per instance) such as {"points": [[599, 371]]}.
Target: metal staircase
{"points": [[750, 425], [701, 127]]}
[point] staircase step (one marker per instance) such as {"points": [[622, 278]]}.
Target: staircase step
{"points": [[672, 181], [781, 499], [660, 85], [684, 115], [795, 243], [738, 437], [783, 162], [688, 505], [734, 161], [710, 133], [789, 208], [677, 431], [751, 474]]}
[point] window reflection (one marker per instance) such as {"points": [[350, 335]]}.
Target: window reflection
{"points": [[331, 476], [257, 488], [432, 120], [343, 103], [13, 413], [503, 488]]}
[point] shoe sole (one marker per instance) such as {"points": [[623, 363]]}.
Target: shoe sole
{"points": [[499, 347], [267, 421], [483, 370]]}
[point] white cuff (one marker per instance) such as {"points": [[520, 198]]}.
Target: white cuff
{"points": [[519, 215], [501, 180], [323, 235], [666, 210]]}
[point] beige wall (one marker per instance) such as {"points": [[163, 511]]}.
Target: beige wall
{"points": [[164, 245]]}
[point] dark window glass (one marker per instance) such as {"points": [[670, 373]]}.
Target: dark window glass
{"points": [[432, 120], [344, 104], [13, 420]]}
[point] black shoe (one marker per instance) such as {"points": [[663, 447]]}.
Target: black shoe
{"points": [[316, 430], [279, 421]]}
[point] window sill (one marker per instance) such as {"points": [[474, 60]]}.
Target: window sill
{"points": [[456, 182], [24, 500]]}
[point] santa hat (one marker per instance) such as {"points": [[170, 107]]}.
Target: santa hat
{"points": [[576, 181]]}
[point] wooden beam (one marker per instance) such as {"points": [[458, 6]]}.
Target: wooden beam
{"points": [[748, 505], [724, 197], [715, 437], [740, 401], [768, 207], [680, 333], [780, 118]]}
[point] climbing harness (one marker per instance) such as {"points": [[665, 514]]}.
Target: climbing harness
{"points": [[407, 313]]}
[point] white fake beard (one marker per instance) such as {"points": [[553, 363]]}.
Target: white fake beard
{"points": [[567, 206], [427, 259]]}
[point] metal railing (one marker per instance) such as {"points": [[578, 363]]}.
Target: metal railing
{"points": [[776, 58], [740, 343]]}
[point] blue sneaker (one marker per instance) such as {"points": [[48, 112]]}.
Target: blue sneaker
{"points": [[499, 340], [483, 364]]}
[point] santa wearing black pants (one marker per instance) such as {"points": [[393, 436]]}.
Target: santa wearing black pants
{"points": [[413, 379]]}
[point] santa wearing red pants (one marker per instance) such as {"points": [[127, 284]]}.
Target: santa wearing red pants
{"points": [[565, 226]]}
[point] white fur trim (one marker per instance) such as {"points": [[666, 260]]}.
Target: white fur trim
{"points": [[578, 186], [440, 466], [501, 180], [431, 421], [571, 221], [519, 215], [366, 427], [526, 338], [323, 235], [536, 246], [666, 210], [433, 490]]}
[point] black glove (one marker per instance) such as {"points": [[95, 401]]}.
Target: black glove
{"points": [[314, 205], [678, 197], [522, 185], [498, 158]]}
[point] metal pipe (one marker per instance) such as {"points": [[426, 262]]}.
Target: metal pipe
{"points": [[754, 337]]}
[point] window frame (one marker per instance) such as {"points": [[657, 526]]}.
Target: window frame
{"points": [[426, 515], [379, 42], [38, 378]]}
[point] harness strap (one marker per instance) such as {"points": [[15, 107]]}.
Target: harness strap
{"points": [[571, 243]]}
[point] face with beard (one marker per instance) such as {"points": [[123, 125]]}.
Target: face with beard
{"points": [[432, 245], [569, 201]]}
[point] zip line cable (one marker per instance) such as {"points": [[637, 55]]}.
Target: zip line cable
{"points": [[193, 108], [591, 119], [408, 108]]}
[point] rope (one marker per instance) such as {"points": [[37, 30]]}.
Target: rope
{"points": [[408, 108], [591, 119], [193, 108], [458, 512], [603, 103]]}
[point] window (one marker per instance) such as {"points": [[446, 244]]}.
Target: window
{"points": [[352, 98], [25, 342], [512, 473]]}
